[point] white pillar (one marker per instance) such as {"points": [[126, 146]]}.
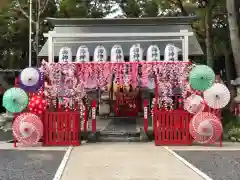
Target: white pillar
{"points": [[185, 48], [50, 48], [30, 34]]}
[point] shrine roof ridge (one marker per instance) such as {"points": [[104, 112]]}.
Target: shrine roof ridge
{"points": [[177, 20]]}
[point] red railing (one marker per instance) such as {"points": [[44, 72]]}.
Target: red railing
{"points": [[61, 128], [172, 127]]}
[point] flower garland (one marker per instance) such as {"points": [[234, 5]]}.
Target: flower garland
{"points": [[74, 78], [169, 76]]}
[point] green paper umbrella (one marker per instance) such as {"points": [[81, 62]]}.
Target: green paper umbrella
{"points": [[15, 100], [201, 77]]}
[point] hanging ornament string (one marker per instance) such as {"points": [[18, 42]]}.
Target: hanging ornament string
{"points": [[134, 74], [145, 75], [120, 71]]}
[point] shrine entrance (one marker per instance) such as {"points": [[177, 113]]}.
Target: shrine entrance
{"points": [[123, 111]]}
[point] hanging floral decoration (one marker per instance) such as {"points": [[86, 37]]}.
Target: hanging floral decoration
{"points": [[72, 79], [170, 76], [62, 81]]}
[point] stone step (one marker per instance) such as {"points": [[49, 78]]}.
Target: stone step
{"points": [[119, 133], [118, 138]]}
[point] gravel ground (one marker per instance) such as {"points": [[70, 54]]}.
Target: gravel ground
{"points": [[6, 136], [29, 165], [219, 165]]}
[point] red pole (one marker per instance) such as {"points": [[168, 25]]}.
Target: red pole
{"points": [[94, 123], [85, 118], [155, 106], [145, 111]]}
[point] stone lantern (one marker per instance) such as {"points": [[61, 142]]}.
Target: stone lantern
{"points": [[236, 83]]}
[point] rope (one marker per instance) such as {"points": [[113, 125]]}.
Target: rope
{"points": [[10, 70]]}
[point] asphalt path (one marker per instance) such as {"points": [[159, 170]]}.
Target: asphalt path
{"points": [[29, 165], [219, 165]]}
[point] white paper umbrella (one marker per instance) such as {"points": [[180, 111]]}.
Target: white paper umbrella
{"points": [[218, 96], [27, 128], [194, 104], [31, 79], [205, 128], [30, 76]]}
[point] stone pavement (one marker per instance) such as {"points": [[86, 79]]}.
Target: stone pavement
{"points": [[125, 161]]}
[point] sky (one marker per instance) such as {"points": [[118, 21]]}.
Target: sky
{"points": [[116, 14]]}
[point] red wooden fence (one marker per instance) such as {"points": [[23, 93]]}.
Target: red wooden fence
{"points": [[61, 128], [172, 127]]}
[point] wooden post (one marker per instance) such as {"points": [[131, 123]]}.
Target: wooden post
{"points": [[85, 118], [155, 107], [94, 123], [145, 116]]}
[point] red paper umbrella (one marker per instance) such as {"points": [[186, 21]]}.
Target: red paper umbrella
{"points": [[37, 105], [205, 128], [27, 128], [194, 104]]}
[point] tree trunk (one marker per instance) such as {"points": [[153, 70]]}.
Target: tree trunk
{"points": [[234, 34], [229, 70], [209, 39]]}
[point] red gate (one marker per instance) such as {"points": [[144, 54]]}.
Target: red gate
{"points": [[172, 127], [61, 128]]}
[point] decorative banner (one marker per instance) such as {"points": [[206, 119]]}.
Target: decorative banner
{"points": [[65, 54], [15, 100], [37, 105], [217, 96], [153, 53], [82, 54], [117, 54], [31, 79], [205, 128], [100, 54], [194, 104], [201, 77], [136, 53], [27, 129], [171, 53]]}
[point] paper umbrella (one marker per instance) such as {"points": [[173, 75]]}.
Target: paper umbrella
{"points": [[37, 105], [31, 79], [15, 100], [201, 77], [27, 129], [216, 97], [194, 104], [205, 128]]}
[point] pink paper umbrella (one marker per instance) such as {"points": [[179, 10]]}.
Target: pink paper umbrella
{"points": [[205, 128], [194, 104], [27, 129]]}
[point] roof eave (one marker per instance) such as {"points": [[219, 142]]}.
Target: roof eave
{"points": [[121, 21]]}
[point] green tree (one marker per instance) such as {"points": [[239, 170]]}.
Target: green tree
{"points": [[84, 8]]}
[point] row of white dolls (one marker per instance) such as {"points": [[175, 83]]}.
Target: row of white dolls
{"points": [[136, 53]]}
